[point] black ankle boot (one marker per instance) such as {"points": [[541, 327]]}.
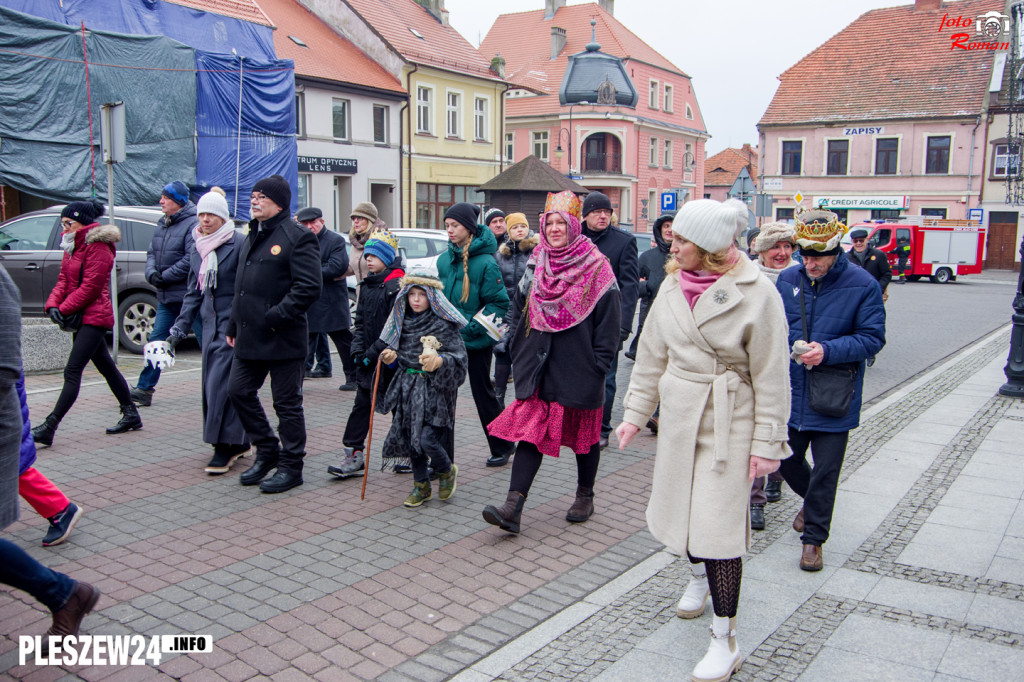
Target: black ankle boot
{"points": [[43, 434], [264, 464], [287, 476], [507, 517], [130, 420], [582, 507]]}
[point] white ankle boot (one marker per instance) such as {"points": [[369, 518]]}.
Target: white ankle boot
{"points": [[723, 656], [695, 598]]}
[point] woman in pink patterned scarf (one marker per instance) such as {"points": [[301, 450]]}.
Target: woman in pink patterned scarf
{"points": [[563, 335]]}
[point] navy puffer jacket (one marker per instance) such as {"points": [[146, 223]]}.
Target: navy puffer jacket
{"points": [[846, 316], [169, 252]]}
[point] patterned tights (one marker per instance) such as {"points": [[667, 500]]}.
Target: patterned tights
{"points": [[724, 577]]}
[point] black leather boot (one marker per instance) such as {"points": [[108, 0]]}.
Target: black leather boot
{"points": [[507, 517], [583, 507], [130, 420], [287, 476], [43, 434], [264, 464]]}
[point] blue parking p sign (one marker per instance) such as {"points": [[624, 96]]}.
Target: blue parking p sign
{"points": [[668, 201]]}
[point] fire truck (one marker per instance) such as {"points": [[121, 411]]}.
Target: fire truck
{"points": [[940, 249]]}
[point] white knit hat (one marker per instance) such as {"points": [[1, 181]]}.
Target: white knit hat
{"points": [[711, 225], [215, 203]]}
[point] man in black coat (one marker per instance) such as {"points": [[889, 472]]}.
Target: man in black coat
{"points": [[871, 259], [329, 315], [278, 279], [619, 247]]}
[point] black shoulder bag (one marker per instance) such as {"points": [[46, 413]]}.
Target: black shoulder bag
{"points": [[830, 387], [73, 322]]}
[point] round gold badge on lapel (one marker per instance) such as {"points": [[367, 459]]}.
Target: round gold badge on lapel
{"points": [[275, 249]]}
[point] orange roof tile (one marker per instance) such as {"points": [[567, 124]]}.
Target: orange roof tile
{"points": [[327, 55], [892, 63], [722, 168], [246, 10], [435, 45]]}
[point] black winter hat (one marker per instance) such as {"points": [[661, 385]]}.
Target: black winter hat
{"points": [[491, 214], [594, 201], [466, 214], [85, 212], [276, 189]]}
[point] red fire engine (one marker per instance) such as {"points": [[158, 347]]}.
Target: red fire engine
{"points": [[939, 249]]}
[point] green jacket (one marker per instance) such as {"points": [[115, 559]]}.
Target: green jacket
{"points": [[486, 288]]}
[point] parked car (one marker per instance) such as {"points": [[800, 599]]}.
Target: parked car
{"points": [[644, 241], [30, 252]]}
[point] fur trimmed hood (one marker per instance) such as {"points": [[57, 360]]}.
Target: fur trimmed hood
{"points": [[421, 281], [108, 234], [524, 245]]}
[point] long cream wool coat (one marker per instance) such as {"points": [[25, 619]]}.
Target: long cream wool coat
{"points": [[721, 373]]}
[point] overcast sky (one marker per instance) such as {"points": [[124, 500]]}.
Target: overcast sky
{"points": [[734, 52]]}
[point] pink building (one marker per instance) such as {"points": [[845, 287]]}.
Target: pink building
{"points": [[632, 154], [875, 128]]}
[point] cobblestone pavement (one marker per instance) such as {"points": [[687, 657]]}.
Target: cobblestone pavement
{"points": [[923, 575]]}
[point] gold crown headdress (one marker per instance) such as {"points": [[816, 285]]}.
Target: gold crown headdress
{"points": [[818, 229], [564, 201], [384, 235]]}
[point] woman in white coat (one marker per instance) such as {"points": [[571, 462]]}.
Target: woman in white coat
{"points": [[714, 352]]}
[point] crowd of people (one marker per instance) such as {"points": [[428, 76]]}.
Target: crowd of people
{"points": [[742, 365]]}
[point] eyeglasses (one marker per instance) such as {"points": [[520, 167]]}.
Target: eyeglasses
{"points": [[257, 197], [67, 223]]}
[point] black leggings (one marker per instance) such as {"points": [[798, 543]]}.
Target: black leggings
{"points": [[526, 464], [89, 344], [724, 578]]}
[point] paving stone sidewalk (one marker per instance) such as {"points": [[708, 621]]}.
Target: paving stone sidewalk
{"points": [[923, 577]]}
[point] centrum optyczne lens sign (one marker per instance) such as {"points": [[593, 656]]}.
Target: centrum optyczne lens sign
{"points": [[107, 649]]}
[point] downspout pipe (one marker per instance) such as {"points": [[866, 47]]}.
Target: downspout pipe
{"points": [[501, 130], [970, 167], [410, 188]]}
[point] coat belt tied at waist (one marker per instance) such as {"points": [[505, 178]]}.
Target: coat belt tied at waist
{"points": [[719, 402]]}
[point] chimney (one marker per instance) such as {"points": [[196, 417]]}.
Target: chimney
{"points": [[498, 65], [609, 6], [552, 6], [557, 41], [926, 5], [436, 9]]}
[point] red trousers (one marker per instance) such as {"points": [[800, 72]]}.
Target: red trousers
{"points": [[40, 492]]}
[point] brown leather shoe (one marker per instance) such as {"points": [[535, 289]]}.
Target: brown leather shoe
{"points": [[811, 559], [68, 619], [798, 522]]}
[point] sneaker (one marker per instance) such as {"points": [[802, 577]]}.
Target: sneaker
{"points": [[143, 397], [223, 458], [446, 483], [420, 494], [352, 463], [61, 525]]}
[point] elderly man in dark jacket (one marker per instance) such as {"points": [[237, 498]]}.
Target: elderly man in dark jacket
{"points": [[329, 315], [652, 272], [167, 262], [835, 311], [619, 247], [278, 279]]}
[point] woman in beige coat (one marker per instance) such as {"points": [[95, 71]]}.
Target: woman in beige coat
{"points": [[714, 352]]}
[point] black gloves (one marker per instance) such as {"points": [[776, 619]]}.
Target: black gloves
{"points": [[156, 279], [55, 316]]}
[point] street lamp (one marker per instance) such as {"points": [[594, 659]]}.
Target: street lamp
{"points": [[1014, 370], [558, 149]]}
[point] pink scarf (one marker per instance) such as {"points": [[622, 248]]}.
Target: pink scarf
{"points": [[568, 281], [207, 245], [695, 282]]}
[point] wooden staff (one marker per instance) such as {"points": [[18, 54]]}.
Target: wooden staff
{"points": [[369, 434]]}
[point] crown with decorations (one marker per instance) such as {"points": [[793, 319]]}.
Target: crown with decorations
{"points": [[565, 201], [818, 229], [384, 235]]}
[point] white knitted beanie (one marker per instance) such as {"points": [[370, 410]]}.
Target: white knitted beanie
{"points": [[215, 203], [711, 225]]}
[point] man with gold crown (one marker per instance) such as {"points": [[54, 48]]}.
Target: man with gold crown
{"points": [[836, 321]]}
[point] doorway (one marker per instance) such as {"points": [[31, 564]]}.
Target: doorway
{"points": [[382, 196], [1001, 242], [343, 201]]}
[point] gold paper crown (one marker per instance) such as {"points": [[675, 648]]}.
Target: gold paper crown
{"points": [[564, 201], [818, 229], [384, 236]]}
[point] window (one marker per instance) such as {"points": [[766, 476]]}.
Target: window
{"points": [[791, 157], [453, 115], [510, 148], [424, 110], [480, 119], [302, 196], [838, 154], [668, 154], [937, 159], [668, 98], [784, 214], [653, 95], [540, 145], [689, 113], [415, 247], [652, 205], [842, 214], [688, 160], [933, 212], [433, 200], [30, 234], [340, 119], [652, 156], [887, 151], [300, 114], [707, 195], [884, 214], [1005, 162], [380, 124]]}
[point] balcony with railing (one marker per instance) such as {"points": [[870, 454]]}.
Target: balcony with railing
{"points": [[602, 155]]}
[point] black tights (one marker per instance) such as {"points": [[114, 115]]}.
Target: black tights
{"points": [[724, 577], [526, 464], [89, 344]]}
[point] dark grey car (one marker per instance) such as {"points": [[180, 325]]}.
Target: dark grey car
{"points": [[30, 252]]}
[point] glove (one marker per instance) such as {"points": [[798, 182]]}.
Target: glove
{"points": [[156, 279], [55, 316], [431, 363], [174, 338], [388, 356]]}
